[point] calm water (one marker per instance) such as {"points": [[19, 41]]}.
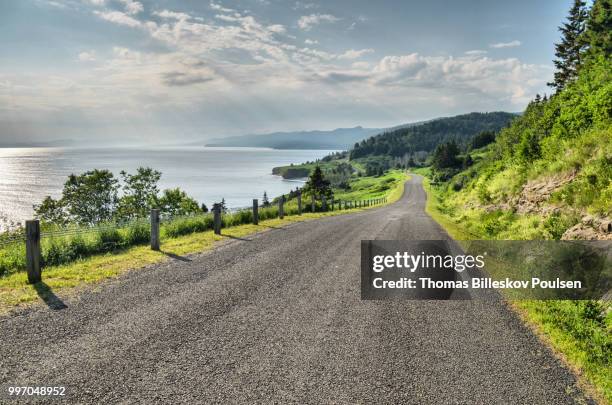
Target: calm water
{"points": [[27, 175]]}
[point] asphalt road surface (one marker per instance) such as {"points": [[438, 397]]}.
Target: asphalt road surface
{"points": [[277, 318]]}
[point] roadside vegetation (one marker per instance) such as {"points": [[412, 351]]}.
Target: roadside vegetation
{"points": [[81, 252], [547, 176]]}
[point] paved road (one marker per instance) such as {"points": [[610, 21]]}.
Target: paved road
{"points": [[278, 318]]}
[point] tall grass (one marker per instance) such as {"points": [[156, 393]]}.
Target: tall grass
{"points": [[64, 245], [61, 246]]}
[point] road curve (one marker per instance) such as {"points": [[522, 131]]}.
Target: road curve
{"points": [[277, 318]]}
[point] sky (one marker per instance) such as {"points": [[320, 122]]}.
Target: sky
{"points": [[136, 71]]}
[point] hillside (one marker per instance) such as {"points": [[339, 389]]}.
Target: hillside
{"points": [[337, 139], [549, 174], [397, 146], [427, 136]]}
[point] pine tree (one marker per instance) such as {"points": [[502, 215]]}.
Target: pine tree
{"points": [[570, 50], [598, 32], [265, 202], [317, 183]]}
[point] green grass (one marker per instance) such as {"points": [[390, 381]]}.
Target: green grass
{"points": [[363, 188], [180, 237], [304, 169], [580, 331]]}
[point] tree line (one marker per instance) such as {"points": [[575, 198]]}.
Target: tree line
{"points": [[426, 137], [97, 196]]}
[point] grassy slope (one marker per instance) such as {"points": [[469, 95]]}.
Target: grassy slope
{"points": [[304, 169], [568, 135], [67, 279], [581, 336]]}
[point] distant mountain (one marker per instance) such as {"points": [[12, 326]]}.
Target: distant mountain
{"points": [[338, 139], [426, 136]]}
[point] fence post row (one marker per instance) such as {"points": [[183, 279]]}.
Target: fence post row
{"points": [[255, 211], [32, 229], [217, 218], [155, 229], [33, 257]]}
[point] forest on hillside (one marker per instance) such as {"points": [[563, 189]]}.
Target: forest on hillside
{"points": [[427, 136]]}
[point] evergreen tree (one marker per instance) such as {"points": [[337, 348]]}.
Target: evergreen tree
{"points": [[570, 50], [598, 32], [446, 156], [317, 183], [265, 201]]}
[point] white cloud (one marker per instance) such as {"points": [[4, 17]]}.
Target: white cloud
{"points": [[88, 56], [118, 17], [311, 41], [172, 15], [277, 28], [499, 78], [218, 7], [355, 54], [476, 52], [511, 44], [56, 4], [132, 7], [360, 65], [306, 22]]}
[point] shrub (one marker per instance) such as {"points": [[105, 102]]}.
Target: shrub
{"points": [[110, 239]]}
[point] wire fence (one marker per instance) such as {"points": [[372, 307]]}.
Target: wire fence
{"points": [[60, 244], [71, 230], [12, 237]]}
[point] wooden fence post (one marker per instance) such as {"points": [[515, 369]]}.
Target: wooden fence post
{"points": [[281, 202], [33, 257], [299, 202], [255, 211], [154, 229], [332, 203], [217, 218], [324, 203]]}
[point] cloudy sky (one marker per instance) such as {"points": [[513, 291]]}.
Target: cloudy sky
{"points": [[131, 71]]}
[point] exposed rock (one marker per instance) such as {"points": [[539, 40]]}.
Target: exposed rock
{"points": [[537, 192], [594, 229]]}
